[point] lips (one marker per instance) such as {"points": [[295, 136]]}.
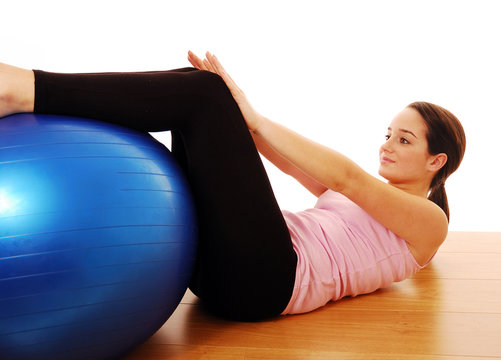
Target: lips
{"points": [[386, 160]]}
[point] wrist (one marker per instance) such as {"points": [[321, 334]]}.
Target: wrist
{"points": [[259, 124]]}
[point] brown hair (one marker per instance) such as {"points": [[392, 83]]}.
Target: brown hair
{"points": [[444, 134]]}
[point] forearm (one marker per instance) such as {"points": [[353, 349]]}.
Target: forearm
{"points": [[327, 167], [287, 167], [269, 153]]}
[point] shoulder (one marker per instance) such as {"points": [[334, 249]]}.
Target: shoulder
{"points": [[417, 220]]}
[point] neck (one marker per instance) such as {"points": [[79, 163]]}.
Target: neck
{"points": [[419, 189]]}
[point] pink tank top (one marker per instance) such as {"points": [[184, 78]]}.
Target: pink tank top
{"points": [[342, 251]]}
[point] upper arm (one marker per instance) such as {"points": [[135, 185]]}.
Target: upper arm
{"points": [[420, 222]]}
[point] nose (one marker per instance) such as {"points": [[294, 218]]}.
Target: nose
{"points": [[387, 146]]}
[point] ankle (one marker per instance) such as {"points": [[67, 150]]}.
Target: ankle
{"points": [[17, 90], [26, 92]]}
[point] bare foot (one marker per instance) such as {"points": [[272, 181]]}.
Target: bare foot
{"points": [[17, 90]]}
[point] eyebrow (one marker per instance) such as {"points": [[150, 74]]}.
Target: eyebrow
{"points": [[405, 131]]}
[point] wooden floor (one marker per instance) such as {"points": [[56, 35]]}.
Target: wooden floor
{"points": [[450, 310]]}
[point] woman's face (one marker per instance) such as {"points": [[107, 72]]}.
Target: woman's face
{"points": [[404, 157]]}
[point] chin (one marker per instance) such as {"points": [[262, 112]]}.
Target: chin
{"points": [[385, 175], [382, 173]]}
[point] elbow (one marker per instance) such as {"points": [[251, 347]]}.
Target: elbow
{"points": [[337, 186], [348, 180]]}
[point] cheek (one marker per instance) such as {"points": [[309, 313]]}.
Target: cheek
{"points": [[416, 160]]}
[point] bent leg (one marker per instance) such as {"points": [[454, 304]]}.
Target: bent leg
{"points": [[245, 263]]}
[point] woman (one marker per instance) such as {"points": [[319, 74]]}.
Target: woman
{"points": [[255, 261]]}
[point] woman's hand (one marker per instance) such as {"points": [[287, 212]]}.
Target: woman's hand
{"points": [[212, 64]]}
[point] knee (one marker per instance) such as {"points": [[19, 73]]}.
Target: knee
{"points": [[211, 85]]}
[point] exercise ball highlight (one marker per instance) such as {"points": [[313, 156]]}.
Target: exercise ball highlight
{"points": [[97, 238]]}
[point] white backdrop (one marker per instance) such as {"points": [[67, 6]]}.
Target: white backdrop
{"points": [[336, 71]]}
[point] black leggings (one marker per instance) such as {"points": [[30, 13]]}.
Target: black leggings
{"points": [[246, 264]]}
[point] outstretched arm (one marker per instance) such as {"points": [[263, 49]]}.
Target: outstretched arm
{"points": [[414, 218]]}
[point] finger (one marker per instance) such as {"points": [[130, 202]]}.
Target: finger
{"points": [[208, 62], [209, 66], [196, 61], [216, 65]]}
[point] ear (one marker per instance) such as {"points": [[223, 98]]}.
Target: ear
{"points": [[437, 162]]}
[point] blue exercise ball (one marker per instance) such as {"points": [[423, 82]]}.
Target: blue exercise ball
{"points": [[97, 238]]}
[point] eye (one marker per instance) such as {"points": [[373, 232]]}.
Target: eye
{"points": [[387, 137], [404, 141]]}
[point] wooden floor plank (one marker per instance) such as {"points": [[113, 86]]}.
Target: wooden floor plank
{"points": [[456, 265], [450, 310], [451, 295], [189, 352], [472, 242], [359, 331]]}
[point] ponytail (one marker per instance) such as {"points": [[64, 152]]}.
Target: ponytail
{"points": [[439, 197], [444, 134]]}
